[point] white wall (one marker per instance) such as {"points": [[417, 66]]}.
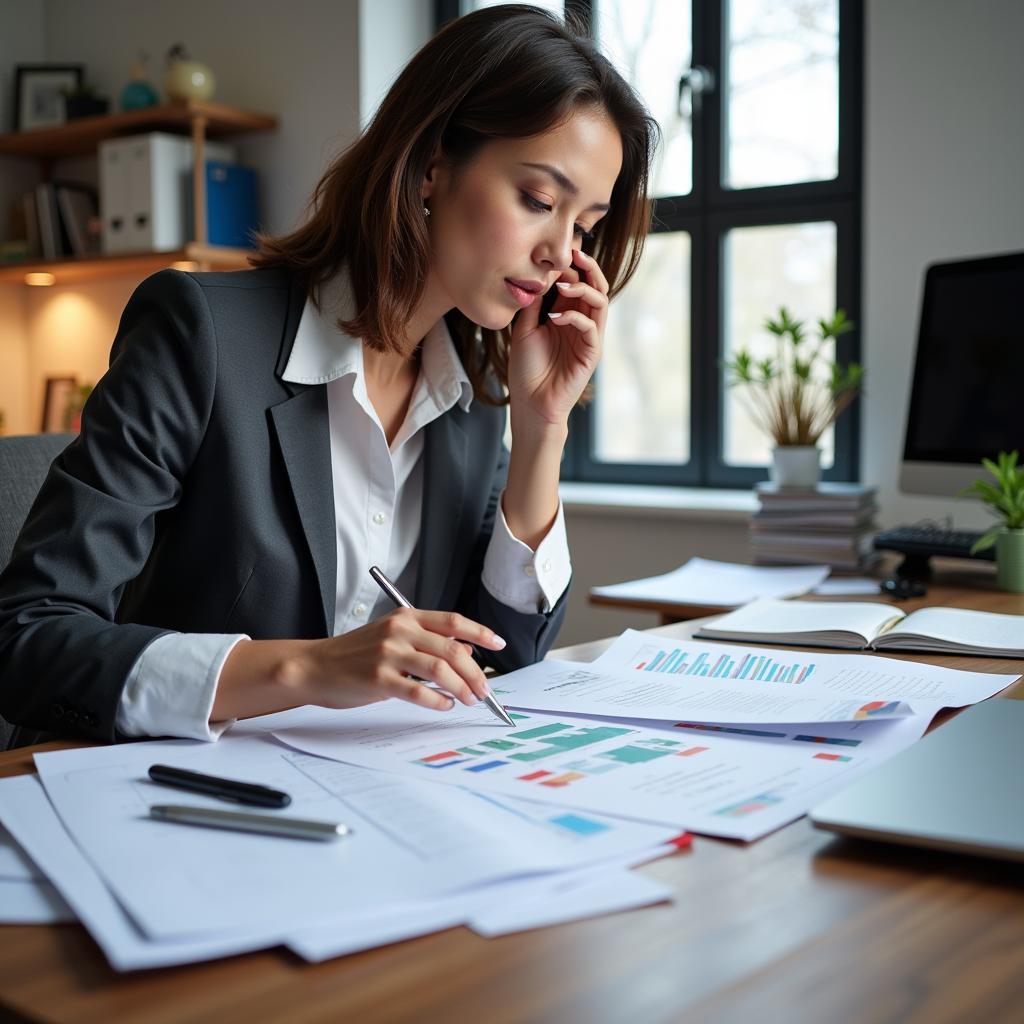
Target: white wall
{"points": [[943, 178], [297, 60]]}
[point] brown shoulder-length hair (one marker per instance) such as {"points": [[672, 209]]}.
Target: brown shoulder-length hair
{"points": [[511, 71]]}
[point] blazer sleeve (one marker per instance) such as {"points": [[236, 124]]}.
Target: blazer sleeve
{"points": [[64, 659], [528, 635]]}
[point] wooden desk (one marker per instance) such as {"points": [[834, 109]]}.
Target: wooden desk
{"points": [[957, 583], [799, 926]]}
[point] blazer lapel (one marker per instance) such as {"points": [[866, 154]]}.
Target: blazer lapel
{"points": [[303, 432], [444, 485]]}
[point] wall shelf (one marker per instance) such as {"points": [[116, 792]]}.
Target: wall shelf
{"points": [[140, 264], [200, 119], [83, 135]]}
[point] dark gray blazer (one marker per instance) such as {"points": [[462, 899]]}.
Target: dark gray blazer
{"points": [[198, 498]]}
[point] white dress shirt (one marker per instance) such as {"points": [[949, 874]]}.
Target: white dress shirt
{"points": [[378, 498]]}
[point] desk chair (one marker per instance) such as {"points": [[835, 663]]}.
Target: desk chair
{"points": [[24, 462]]}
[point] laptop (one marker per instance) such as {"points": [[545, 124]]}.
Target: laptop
{"points": [[961, 788]]}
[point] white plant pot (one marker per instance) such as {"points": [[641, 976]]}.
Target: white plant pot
{"points": [[796, 466]]}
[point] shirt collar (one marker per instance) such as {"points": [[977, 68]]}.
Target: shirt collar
{"points": [[322, 352]]}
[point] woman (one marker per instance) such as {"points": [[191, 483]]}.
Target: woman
{"points": [[200, 552]]}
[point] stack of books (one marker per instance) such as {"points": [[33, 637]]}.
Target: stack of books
{"points": [[61, 219], [832, 524]]}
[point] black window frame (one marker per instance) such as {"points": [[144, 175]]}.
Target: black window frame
{"points": [[708, 213]]}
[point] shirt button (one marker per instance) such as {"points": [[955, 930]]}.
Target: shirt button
{"points": [[529, 570], [546, 566], [359, 611], [380, 519]]}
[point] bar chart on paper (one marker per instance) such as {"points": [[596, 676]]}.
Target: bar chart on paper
{"points": [[561, 747], [755, 667]]}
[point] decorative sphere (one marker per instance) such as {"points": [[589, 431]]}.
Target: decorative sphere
{"points": [[188, 80]]}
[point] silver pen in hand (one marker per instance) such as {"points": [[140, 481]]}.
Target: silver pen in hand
{"points": [[403, 602]]}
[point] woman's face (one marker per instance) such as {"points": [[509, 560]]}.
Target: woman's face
{"points": [[503, 228]]}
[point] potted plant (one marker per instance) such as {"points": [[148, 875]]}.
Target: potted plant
{"points": [[1005, 500], [795, 394]]}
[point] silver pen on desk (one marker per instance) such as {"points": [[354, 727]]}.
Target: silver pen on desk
{"points": [[270, 824], [403, 602]]}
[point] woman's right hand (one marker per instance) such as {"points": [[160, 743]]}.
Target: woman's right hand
{"points": [[385, 658]]}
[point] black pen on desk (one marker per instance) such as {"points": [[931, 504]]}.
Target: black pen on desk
{"points": [[403, 602], [224, 789]]}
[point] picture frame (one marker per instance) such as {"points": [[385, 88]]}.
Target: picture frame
{"points": [[38, 100], [57, 395]]}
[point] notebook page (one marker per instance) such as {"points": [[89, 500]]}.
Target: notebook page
{"points": [[865, 618], [961, 625]]}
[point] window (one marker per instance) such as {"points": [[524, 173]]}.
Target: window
{"points": [[757, 205]]}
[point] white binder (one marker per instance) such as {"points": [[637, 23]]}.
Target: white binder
{"points": [[144, 187]]}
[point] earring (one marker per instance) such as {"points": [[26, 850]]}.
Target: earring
{"points": [[426, 210]]}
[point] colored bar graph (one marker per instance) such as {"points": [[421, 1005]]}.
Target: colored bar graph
{"points": [[559, 781], [634, 755], [833, 757], [443, 756], [722, 666], [486, 766], [756, 803], [691, 751], [541, 730], [533, 776], [579, 825], [656, 662], [563, 742], [500, 744], [828, 739], [728, 728]]}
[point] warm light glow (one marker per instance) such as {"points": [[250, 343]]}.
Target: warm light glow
{"points": [[189, 265], [40, 279]]}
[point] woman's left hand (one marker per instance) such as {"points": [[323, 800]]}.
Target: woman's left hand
{"points": [[551, 363]]}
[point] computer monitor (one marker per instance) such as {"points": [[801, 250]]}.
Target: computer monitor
{"points": [[967, 397]]}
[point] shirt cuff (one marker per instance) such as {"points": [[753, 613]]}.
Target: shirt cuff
{"points": [[171, 687], [527, 581]]}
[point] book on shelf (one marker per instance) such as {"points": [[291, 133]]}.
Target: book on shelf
{"points": [[79, 209], [61, 220], [51, 240], [868, 625], [32, 225]]}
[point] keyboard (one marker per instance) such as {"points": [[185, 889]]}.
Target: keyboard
{"points": [[918, 543]]}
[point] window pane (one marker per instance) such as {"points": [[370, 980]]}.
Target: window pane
{"points": [[781, 92], [649, 41], [791, 265], [642, 400], [554, 6]]}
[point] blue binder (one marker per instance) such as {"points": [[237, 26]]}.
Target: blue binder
{"points": [[232, 204]]}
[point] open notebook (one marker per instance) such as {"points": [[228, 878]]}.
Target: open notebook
{"points": [[864, 624]]}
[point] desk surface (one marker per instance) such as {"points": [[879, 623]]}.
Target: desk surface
{"points": [[801, 925], [959, 583]]}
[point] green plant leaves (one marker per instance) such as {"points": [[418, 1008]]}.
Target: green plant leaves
{"points": [[796, 395], [1004, 498]]}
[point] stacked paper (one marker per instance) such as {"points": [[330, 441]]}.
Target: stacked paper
{"points": [[456, 818], [718, 584], [421, 857], [832, 524]]}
